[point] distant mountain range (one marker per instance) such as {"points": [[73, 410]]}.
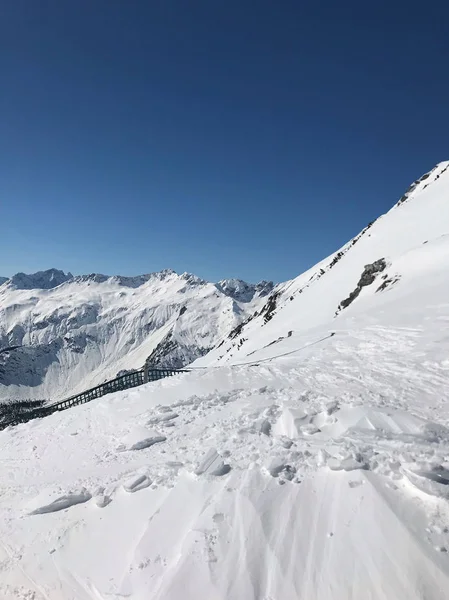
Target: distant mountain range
{"points": [[76, 331]]}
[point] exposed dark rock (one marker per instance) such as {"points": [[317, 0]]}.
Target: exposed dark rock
{"points": [[241, 342], [77, 342], [414, 185], [237, 330], [190, 278], [336, 258], [279, 339], [387, 283], [370, 272], [269, 308], [170, 353], [28, 365], [368, 276]]}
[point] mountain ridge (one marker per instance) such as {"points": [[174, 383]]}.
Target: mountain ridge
{"points": [[77, 331], [304, 456], [94, 326], [52, 278], [311, 299]]}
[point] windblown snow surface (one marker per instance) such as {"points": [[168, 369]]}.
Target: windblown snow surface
{"points": [[312, 467]]}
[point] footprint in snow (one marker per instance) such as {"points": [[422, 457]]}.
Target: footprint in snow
{"points": [[136, 483], [346, 464], [51, 501], [140, 438], [101, 498], [212, 464], [147, 442], [163, 419], [278, 468]]}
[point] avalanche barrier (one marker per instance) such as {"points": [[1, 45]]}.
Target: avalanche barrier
{"points": [[123, 382]]}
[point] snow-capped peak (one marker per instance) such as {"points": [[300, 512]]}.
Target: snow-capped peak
{"points": [[244, 292], [42, 280], [419, 185], [80, 333]]}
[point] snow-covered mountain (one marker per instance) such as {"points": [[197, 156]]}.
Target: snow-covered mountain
{"points": [[304, 458], [75, 332], [367, 273], [42, 280]]}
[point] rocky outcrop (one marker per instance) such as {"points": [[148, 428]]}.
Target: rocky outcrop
{"points": [[27, 366], [387, 282], [369, 274], [172, 353]]}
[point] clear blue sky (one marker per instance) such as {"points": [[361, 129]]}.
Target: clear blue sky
{"points": [[239, 138]]}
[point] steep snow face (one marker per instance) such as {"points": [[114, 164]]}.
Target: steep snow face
{"points": [[75, 332], [3, 280], [397, 247]]}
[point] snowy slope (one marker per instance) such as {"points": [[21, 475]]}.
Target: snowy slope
{"points": [[312, 468], [78, 331], [313, 299], [321, 475]]}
